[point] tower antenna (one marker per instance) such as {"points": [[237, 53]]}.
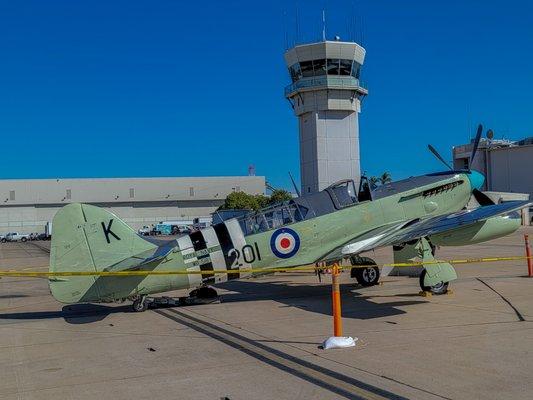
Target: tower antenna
{"points": [[285, 30], [323, 25], [297, 25]]}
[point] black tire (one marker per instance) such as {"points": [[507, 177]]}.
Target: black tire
{"points": [[439, 288], [140, 305], [23, 239], [368, 276], [4, 240]]}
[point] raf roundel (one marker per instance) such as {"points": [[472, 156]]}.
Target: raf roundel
{"points": [[284, 243]]}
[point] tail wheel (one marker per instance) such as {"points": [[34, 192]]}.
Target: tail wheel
{"points": [[365, 276], [439, 288], [140, 304]]}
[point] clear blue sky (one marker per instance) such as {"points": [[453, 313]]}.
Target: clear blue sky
{"points": [[169, 88]]}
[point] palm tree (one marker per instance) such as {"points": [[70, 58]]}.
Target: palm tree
{"points": [[385, 178]]}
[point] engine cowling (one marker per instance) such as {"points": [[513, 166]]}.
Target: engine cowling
{"points": [[481, 231]]}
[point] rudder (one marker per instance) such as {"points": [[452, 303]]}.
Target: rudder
{"points": [[89, 238]]}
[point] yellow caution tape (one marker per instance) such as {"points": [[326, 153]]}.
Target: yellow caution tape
{"points": [[301, 268]]}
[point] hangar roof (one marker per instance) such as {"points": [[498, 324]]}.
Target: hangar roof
{"points": [[108, 190]]}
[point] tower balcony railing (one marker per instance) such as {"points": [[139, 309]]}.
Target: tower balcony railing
{"points": [[325, 82]]}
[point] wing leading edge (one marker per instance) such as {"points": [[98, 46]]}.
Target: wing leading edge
{"points": [[416, 229]]}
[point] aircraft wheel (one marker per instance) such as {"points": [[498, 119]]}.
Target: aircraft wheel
{"points": [[140, 304], [368, 276], [439, 288]]}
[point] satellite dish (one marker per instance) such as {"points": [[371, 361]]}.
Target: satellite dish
{"points": [[490, 134]]}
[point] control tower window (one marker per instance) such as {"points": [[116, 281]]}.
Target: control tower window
{"points": [[319, 67], [295, 71], [346, 67], [307, 68], [333, 66], [356, 68]]}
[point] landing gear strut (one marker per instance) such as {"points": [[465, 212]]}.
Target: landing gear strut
{"points": [[140, 304], [365, 276], [439, 288]]}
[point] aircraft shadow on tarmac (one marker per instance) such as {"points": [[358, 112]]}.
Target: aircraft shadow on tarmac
{"points": [[315, 298], [73, 314], [312, 298]]}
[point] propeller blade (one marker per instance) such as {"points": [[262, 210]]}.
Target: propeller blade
{"points": [[476, 144], [436, 154], [482, 198]]}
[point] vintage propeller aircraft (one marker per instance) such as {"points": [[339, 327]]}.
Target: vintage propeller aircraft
{"points": [[413, 215]]}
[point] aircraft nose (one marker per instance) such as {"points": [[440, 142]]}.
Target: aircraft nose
{"points": [[476, 179]]}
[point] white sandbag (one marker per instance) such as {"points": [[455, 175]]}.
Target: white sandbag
{"points": [[339, 342]]}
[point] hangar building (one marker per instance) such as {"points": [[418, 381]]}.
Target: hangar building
{"points": [[506, 164], [26, 205]]}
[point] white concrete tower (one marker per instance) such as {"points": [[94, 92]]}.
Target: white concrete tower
{"points": [[326, 94]]}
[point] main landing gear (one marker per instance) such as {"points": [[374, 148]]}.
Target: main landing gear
{"points": [[434, 276], [364, 271], [201, 295], [439, 288]]}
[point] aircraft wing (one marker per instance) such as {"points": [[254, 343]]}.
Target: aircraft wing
{"points": [[418, 228], [366, 241]]}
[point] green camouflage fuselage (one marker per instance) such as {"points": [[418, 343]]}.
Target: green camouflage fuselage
{"points": [[87, 238]]}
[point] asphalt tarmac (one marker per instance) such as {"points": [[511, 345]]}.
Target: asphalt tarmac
{"points": [[262, 341]]}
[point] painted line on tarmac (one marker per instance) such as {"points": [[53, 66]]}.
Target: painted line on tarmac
{"points": [[518, 314], [335, 382]]}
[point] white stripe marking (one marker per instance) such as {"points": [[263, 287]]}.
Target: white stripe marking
{"points": [[186, 247], [237, 237], [217, 258]]}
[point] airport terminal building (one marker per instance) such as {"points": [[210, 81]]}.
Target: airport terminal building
{"points": [[27, 205]]}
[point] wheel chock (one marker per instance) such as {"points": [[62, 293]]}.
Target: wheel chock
{"points": [[450, 291], [423, 293]]}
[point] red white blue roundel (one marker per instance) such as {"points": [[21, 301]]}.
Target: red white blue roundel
{"points": [[284, 243]]}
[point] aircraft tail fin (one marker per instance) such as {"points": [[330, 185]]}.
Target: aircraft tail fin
{"points": [[88, 238]]}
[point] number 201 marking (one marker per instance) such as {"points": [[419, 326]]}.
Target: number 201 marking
{"points": [[249, 254]]}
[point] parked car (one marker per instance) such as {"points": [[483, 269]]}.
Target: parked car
{"points": [[16, 237], [144, 231], [43, 236], [3, 238]]}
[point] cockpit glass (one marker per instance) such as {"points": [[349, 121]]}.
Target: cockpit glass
{"points": [[345, 193]]}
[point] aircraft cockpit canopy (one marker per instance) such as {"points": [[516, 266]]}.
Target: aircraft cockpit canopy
{"points": [[340, 195]]}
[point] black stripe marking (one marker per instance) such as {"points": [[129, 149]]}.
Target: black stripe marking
{"points": [[228, 249], [198, 242]]}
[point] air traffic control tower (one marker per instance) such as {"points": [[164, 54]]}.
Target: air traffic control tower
{"points": [[326, 94]]}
